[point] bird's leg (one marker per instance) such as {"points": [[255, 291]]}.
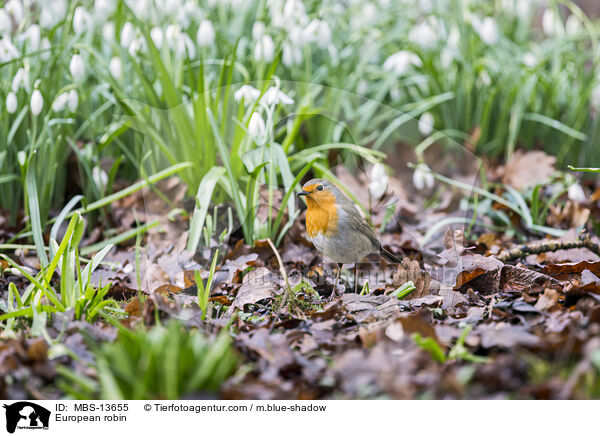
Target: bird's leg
{"points": [[337, 278], [355, 278]]}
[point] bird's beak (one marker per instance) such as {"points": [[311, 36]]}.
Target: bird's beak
{"points": [[302, 193]]}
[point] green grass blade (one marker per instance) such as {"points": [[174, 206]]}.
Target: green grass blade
{"points": [[203, 198]]}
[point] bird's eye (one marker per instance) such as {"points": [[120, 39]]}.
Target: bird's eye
{"points": [[320, 188]]}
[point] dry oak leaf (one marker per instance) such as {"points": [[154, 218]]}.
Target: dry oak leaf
{"points": [[410, 270], [505, 335], [525, 169], [257, 285], [371, 308], [567, 271]]}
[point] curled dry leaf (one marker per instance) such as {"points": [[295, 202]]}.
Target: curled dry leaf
{"points": [[257, 285], [507, 278]]}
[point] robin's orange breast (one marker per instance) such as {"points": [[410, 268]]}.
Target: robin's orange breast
{"points": [[321, 217]]}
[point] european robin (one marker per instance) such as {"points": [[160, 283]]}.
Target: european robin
{"points": [[336, 228]]}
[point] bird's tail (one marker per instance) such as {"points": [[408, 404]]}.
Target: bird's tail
{"points": [[389, 256]]}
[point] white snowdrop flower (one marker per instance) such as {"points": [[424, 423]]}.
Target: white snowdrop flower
{"points": [[401, 62], [77, 68], [273, 96], [378, 181], [293, 10], [116, 67], [11, 103], [368, 13], [422, 177], [169, 7], [277, 19], [100, 177], [172, 35], [529, 59], [512, 7], [16, 10], [45, 46], [104, 8], [247, 93], [37, 102], [34, 37], [179, 41], [523, 9], [484, 79], [46, 19], [206, 34], [453, 38], [318, 31], [190, 12], [257, 128], [8, 51], [21, 78], [53, 13], [324, 34], [141, 8], [5, 23], [156, 34], [185, 45], [573, 25], [60, 102], [135, 46], [264, 50], [108, 31], [487, 30], [446, 58], [73, 100], [127, 34], [31, 37], [426, 124], [423, 35], [81, 20], [291, 55], [551, 23], [297, 36], [575, 193], [258, 30]]}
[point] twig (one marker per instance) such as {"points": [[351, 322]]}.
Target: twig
{"points": [[538, 247], [288, 290]]}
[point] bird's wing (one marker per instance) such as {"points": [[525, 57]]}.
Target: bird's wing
{"points": [[357, 222]]}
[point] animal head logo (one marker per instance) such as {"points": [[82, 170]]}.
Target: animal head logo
{"points": [[26, 415]]}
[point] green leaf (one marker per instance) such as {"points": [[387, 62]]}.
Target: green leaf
{"points": [[430, 345], [404, 290], [587, 170], [34, 213], [203, 199], [557, 125]]}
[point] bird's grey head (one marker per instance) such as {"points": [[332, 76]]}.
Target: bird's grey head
{"points": [[314, 186]]}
